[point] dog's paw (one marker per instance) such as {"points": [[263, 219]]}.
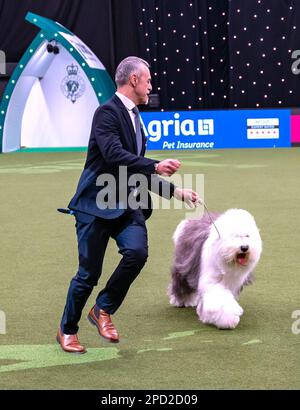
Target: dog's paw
{"points": [[220, 319], [239, 310], [175, 302], [227, 321], [191, 300], [232, 307]]}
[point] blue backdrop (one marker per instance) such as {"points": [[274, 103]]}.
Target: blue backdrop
{"points": [[217, 129]]}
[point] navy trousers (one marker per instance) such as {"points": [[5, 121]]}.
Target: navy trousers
{"points": [[93, 233]]}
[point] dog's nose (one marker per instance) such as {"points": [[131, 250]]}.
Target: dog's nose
{"points": [[244, 248]]}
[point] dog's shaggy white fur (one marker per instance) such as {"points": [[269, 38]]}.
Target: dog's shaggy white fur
{"points": [[210, 271]]}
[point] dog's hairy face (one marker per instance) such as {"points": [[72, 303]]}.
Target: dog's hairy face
{"points": [[240, 241]]}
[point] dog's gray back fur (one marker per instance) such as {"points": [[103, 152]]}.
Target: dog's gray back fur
{"points": [[186, 267]]}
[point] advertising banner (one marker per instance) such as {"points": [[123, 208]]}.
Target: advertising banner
{"points": [[175, 130], [295, 131]]}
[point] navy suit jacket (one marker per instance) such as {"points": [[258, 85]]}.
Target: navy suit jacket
{"points": [[113, 144]]}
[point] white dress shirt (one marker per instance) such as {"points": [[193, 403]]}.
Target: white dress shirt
{"points": [[129, 105]]}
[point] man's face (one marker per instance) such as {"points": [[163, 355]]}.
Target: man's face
{"points": [[143, 86]]}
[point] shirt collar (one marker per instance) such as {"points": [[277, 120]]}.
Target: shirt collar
{"points": [[126, 101]]}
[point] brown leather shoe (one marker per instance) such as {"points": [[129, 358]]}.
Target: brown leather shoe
{"points": [[69, 343], [104, 325]]}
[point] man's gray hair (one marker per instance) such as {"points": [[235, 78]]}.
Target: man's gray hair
{"points": [[128, 66]]}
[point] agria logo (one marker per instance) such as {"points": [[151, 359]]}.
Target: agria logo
{"points": [[176, 126]]}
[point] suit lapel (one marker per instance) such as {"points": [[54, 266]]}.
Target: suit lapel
{"points": [[128, 121], [144, 144]]}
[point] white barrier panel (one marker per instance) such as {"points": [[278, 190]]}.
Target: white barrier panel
{"points": [[54, 91]]}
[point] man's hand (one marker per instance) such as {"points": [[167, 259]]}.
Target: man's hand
{"points": [[190, 197], [167, 167]]}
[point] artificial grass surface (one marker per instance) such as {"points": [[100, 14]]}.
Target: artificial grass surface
{"points": [[161, 347]]}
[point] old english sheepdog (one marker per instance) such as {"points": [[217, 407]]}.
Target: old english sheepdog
{"points": [[214, 258]]}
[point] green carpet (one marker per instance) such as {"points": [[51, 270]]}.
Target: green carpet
{"points": [[161, 347]]}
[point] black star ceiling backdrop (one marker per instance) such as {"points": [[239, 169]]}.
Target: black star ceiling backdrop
{"points": [[203, 53]]}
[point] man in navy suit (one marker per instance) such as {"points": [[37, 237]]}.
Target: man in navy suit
{"points": [[102, 208]]}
